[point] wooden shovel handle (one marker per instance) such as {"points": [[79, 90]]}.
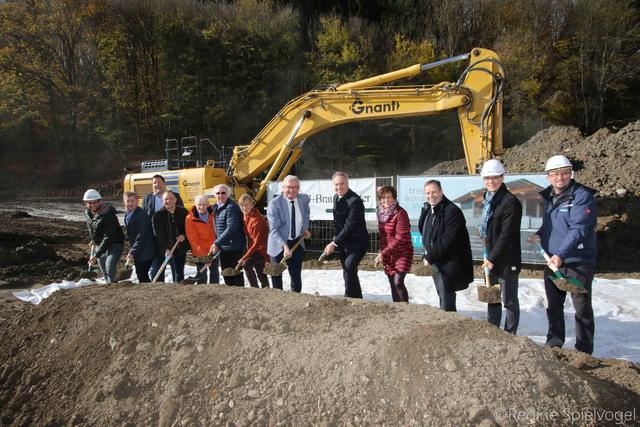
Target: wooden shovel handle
{"points": [[548, 259], [293, 249]]}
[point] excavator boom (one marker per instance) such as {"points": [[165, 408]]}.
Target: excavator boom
{"points": [[476, 97]]}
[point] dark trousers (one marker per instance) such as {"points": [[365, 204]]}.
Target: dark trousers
{"points": [[350, 260], [399, 291], [214, 274], [509, 288], [230, 259], [155, 266], [294, 265], [254, 269], [177, 267], [142, 270], [585, 325], [447, 298]]}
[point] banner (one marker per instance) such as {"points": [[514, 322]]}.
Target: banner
{"points": [[467, 192], [321, 193]]}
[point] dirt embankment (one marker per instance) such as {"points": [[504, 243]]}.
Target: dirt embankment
{"points": [[212, 355]]}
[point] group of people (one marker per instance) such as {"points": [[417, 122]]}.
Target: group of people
{"points": [[239, 235]]}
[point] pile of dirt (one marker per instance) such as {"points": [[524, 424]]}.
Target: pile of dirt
{"points": [[214, 355], [605, 161]]}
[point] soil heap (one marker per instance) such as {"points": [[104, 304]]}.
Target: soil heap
{"points": [[213, 355]]}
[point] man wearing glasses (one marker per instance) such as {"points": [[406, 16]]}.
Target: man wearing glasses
{"points": [[500, 231], [568, 234], [288, 216], [230, 238]]}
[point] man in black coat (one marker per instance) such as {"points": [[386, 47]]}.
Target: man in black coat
{"points": [[169, 227], [500, 230], [152, 203], [351, 235], [446, 244], [106, 234], [142, 242]]}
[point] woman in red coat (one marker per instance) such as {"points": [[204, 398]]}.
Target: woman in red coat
{"points": [[257, 231], [396, 250]]}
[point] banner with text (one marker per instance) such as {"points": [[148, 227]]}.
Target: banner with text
{"points": [[467, 192], [321, 193]]}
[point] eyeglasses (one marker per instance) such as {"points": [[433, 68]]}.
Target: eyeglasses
{"points": [[220, 192], [492, 178], [559, 173], [292, 186]]}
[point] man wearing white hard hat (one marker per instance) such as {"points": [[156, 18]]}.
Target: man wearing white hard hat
{"points": [[500, 231], [568, 234], [106, 234]]}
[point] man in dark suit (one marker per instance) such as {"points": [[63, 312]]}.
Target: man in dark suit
{"points": [[288, 216], [140, 234], [446, 244], [351, 235], [151, 204], [169, 225]]}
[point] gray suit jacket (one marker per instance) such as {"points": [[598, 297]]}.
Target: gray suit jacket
{"points": [[280, 222]]}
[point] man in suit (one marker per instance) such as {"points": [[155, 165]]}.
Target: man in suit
{"points": [[140, 233], [446, 244], [288, 216], [151, 204], [351, 235], [169, 225]]}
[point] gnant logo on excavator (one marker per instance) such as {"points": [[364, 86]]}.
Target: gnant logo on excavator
{"points": [[358, 107]]}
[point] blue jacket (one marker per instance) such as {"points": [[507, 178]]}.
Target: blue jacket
{"points": [[140, 234], [229, 227], [279, 216], [569, 225]]}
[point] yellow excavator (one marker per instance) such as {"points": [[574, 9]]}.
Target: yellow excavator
{"points": [[476, 96]]}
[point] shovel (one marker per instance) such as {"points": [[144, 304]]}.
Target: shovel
{"points": [[488, 293], [167, 258], [89, 273], [191, 280], [276, 269], [567, 284], [124, 274], [232, 272]]}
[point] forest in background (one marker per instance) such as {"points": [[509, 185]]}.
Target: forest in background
{"points": [[90, 87]]}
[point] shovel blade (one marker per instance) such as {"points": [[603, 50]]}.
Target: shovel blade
{"points": [[568, 285], [489, 294], [231, 272], [274, 269], [124, 274], [191, 280]]}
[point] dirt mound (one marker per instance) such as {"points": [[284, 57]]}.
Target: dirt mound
{"points": [[214, 355]]}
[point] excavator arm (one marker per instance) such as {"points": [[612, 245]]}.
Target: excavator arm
{"points": [[476, 96]]}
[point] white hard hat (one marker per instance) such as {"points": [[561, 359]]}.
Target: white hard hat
{"points": [[492, 167], [557, 162], [91, 195]]}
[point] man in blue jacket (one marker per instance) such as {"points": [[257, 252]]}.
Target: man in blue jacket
{"points": [[140, 235], [568, 234], [230, 237], [289, 215]]}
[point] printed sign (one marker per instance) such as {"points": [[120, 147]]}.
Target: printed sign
{"points": [[467, 192], [321, 193]]}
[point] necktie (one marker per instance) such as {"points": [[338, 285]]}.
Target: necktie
{"points": [[293, 220]]}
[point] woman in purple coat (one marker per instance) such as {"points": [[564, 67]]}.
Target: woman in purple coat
{"points": [[396, 250]]}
